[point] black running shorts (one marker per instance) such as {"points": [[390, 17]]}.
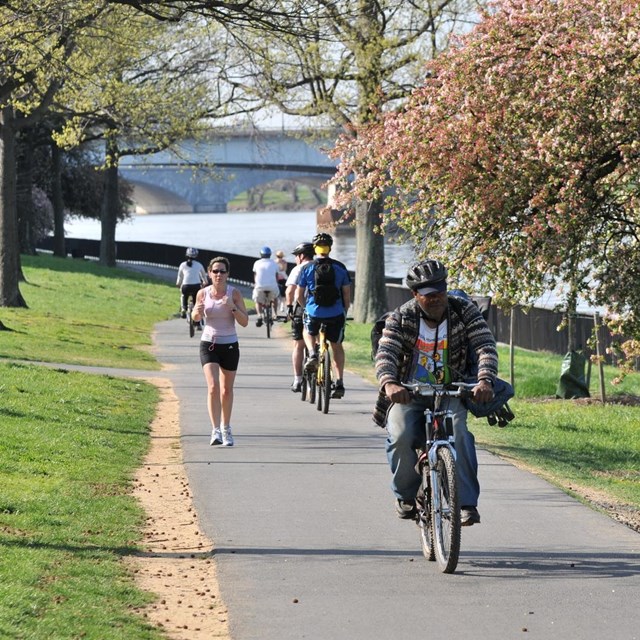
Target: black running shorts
{"points": [[226, 355]]}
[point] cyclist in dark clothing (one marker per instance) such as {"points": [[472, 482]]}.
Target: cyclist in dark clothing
{"points": [[191, 277], [428, 339]]}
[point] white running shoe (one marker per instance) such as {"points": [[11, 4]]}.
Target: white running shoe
{"points": [[216, 437], [227, 438]]}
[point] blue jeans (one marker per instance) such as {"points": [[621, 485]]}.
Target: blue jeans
{"points": [[406, 432]]}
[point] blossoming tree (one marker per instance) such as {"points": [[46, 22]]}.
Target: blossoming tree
{"points": [[517, 161]]}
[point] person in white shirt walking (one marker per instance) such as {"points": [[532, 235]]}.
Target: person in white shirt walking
{"points": [[191, 277], [282, 280], [265, 283]]}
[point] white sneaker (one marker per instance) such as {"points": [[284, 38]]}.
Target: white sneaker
{"points": [[216, 437], [227, 438]]}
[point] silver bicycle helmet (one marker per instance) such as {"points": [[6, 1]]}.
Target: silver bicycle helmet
{"points": [[427, 274], [192, 253], [305, 249]]}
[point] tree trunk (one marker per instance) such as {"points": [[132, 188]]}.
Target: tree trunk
{"points": [[10, 295], [371, 293], [24, 192], [110, 206], [59, 248], [572, 304]]}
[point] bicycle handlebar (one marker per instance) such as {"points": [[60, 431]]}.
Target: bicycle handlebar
{"points": [[427, 390]]}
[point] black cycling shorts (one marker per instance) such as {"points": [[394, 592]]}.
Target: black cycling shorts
{"points": [[226, 355], [335, 326]]}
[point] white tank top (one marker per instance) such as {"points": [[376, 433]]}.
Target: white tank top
{"points": [[220, 325]]}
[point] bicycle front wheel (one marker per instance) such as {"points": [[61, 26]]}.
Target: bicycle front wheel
{"points": [[318, 382], [445, 511], [425, 515], [326, 380]]}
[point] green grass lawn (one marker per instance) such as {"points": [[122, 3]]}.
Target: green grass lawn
{"points": [[70, 445], [276, 197], [81, 313]]}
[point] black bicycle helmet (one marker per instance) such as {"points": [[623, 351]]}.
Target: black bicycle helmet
{"points": [[191, 253], [423, 274], [305, 249], [322, 240]]}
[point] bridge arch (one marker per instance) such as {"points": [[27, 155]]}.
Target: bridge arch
{"points": [[209, 175]]}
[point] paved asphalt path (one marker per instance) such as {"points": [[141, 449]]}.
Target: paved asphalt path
{"points": [[308, 545]]}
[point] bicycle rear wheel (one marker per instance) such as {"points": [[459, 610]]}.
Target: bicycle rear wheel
{"points": [[192, 325], [268, 319], [445, 512], [425, 521], [326, 380]]}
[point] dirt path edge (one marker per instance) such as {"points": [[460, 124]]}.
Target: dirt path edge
{"points": [[176, 562]]}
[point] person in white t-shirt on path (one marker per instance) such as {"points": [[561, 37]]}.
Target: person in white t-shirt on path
{"points": [[265, 283], [304, 255], [282, 280]]}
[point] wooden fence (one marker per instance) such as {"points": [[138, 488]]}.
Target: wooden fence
{"points": [[536, 329]]}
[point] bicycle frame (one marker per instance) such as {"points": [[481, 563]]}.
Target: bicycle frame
{"points": [[439, 423]]}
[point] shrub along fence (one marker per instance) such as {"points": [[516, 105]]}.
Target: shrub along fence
{"points": [[536, 329]]}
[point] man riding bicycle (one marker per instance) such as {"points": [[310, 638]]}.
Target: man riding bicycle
{"points": [[191, 277], [324, 290], [429, 339], [265, 290], [303, 256]]}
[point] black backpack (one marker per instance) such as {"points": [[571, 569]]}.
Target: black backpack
{"points": [[325, 292], [376, 333]]}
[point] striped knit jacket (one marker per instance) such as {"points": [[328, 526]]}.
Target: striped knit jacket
{"points": [[396, 354]]}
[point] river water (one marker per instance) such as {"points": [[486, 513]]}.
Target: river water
{"points": [[244, 233]]}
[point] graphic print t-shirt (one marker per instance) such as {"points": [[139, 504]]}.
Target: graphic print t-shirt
{"points": [[432, 346]]}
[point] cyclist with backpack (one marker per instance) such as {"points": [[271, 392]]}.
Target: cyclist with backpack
{"points": [[428, 339], [303, 256], [324, 290]]}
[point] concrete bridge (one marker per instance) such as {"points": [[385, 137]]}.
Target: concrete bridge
{"points": [[204, 176]]}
